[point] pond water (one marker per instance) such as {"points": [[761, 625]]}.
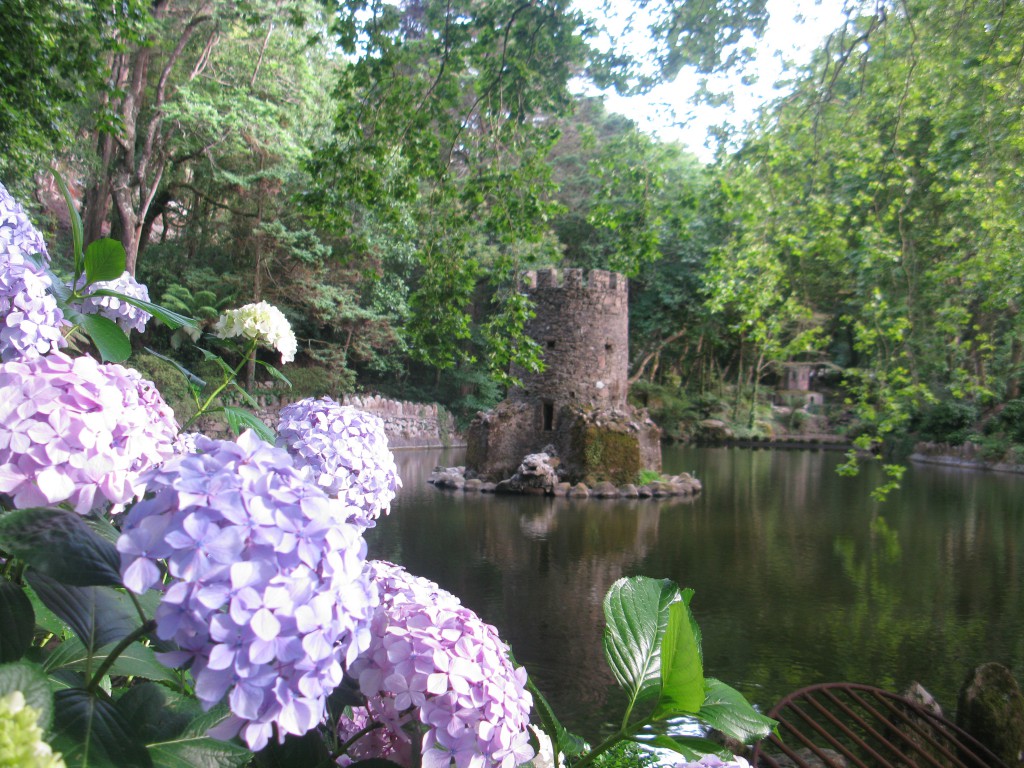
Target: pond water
{"points": [[799, 576]]}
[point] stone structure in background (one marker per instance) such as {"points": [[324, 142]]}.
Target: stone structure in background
{"points": [[577, 406], [991, 709], [407, 425], [797, 378]]}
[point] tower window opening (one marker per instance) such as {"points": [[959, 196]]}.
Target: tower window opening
{"points": [[608, 347], [548, 413], [551, 343]]}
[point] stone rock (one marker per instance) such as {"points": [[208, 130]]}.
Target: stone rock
{"points": [[535, 473], [713, 429], [628, 491], [579, 491], [991, 708], [488, 488], [473, 484], [505, 486], [606, 490], [562, 489], [644, 492]]}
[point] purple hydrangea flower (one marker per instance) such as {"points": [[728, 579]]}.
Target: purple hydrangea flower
{"points": [[435, 661], [30, 320], [76, 431], [347, 452], [126, 315], [265, 593]]}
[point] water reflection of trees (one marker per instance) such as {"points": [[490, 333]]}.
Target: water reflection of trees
{"points": [[799, 576]]}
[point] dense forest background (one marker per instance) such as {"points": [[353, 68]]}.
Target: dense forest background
{"points": [[384, 172]]}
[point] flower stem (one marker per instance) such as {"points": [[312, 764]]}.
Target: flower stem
{"points": [[108, 662], [205, 407]]}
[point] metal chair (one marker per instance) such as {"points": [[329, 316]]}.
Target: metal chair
{"points": [[846, 725]]}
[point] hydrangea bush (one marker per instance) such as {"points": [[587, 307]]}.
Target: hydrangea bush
{"points": [[78, 432], [262, 323], [434, 661], [167, 599], [128, 316], [265, 593], [32, 321], [347, 452]]}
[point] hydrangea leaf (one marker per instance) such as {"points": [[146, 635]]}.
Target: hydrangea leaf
{"points": [[110, 340], [170, 318], [692, 748], [173, 727], [240, 419], [77, 230], [274, 372], [98, 615], [727, 711], [568, 743], [104, 260], [682, 668], [136, 660], [91, 732], [17, 622], [31, 681], [636, 613], [61, 545]]}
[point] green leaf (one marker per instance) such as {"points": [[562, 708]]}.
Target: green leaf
{"points": [[98, 615], [274, 372], [569, 744], [682, 666], [136, 660], [77, 235], [246, 397], [46, 619], [192, 748], [104, 260], [92, 733], [17, 622], [156, 712], [727, 711], [61, 545], [170, 318], [692, 748], [194, 381], [239, 419], [110, 340], [636, 613], [31, 681]]}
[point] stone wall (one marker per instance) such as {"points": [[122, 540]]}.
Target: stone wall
{"points": [[407, 425], [582, 327]]}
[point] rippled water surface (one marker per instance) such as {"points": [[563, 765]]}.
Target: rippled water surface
{"points": [[799, 576]]}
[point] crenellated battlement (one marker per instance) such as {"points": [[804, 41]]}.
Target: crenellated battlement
{"points": [[571, 279]]}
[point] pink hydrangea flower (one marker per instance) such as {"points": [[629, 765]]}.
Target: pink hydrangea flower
{"points": [[435, 661], [79, 432]]}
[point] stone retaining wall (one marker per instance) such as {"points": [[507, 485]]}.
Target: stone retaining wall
{"points": [[407, 425], [968, 455]]}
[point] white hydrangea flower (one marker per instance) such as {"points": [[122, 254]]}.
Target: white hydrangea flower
{"points": [[260, 321], [21, 738]]}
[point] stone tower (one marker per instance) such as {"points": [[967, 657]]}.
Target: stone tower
{"points": [[583, 330], [577, 405]]}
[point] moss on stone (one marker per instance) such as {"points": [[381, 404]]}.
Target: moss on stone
{"points": [[608, 454]]}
